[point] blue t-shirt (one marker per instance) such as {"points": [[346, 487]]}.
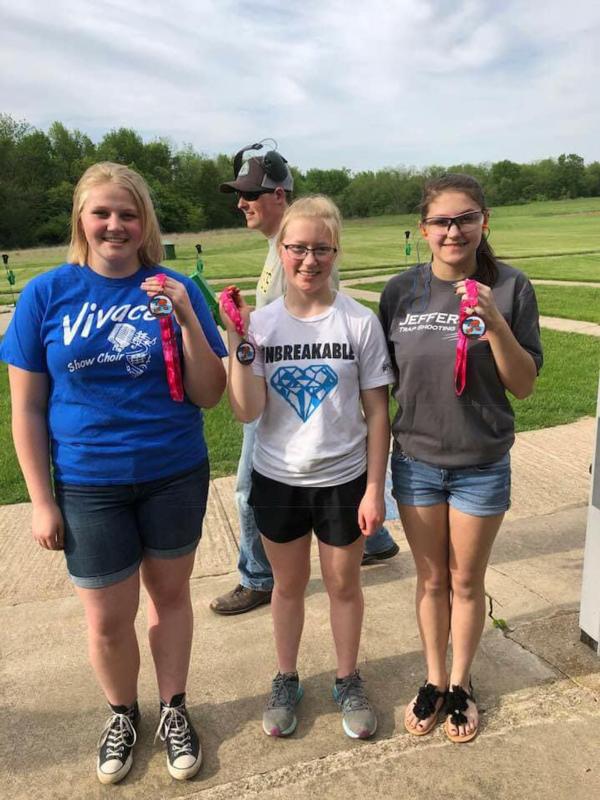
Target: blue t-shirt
{"points": [[111, 419]]}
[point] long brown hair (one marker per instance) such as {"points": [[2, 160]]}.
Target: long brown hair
{"points": [[487, 263]]}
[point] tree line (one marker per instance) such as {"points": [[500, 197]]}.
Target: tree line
{"points": [[38, 171]]}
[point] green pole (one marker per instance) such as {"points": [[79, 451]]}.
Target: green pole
{"points": [[205, 288], [10, 277]]}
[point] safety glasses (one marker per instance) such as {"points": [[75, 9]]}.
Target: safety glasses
{"points": [[469, 221]]}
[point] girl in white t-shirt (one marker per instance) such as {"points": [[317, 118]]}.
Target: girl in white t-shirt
{"points": [[318, 382]]}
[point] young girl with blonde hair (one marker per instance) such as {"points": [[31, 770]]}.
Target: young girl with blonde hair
{"points": [[319, 385]]}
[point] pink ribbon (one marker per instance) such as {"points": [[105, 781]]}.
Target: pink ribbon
{"points": [[469, 300], [229, 298], [170, 351]]}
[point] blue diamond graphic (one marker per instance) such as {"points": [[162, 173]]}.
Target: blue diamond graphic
{"points": [[304, 389]]}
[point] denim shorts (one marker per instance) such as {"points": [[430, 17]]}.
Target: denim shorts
{"points": [[482, 491], [109, 529]]}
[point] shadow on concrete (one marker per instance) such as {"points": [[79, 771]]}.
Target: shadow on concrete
{"points": [[66, 741]]}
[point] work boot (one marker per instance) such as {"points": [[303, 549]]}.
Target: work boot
{"points": [[240, 600]]}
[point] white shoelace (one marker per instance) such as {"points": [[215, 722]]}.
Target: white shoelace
{"points": [[174, 725], [117, 734]]}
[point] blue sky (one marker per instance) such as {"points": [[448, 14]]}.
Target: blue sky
{"points": [[337, 83]]}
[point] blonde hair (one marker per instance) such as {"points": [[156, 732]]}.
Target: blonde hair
{"points": [[314, 206], [151, 250]]}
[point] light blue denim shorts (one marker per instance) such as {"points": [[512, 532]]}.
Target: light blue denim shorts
{"points": [[482, 490]]}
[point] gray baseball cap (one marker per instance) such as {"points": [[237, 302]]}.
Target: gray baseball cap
{"points": [[253, 176]]}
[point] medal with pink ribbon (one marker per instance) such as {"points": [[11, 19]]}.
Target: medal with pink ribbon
{"points": [[230, 300], [161, 307], [470, 326]]}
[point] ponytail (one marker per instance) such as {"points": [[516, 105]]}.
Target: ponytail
{"points": [[487, 263]]}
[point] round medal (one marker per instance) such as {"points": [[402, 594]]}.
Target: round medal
{"points": [[160, 305], [245, 353], [473, 327]]}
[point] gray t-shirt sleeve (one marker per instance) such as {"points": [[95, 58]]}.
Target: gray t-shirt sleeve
{"points": [[525, 323]]}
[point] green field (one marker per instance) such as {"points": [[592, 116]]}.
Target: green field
{"points": [[568, 302], [565, 391], [535, 234], [552, 240]]}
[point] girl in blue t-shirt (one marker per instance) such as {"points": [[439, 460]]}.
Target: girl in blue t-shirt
{"points": [[90, 396]]}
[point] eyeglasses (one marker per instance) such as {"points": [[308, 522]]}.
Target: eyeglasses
{"points": [[250, 197], [300, 251], [466, 222]]}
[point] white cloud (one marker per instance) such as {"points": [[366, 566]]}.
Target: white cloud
{"points": [[359, 84]]}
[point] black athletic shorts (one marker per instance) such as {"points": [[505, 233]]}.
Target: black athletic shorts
{"points": [[284, 513]]}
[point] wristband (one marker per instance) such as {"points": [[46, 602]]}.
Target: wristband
{"points": [[470, 326], [161, 307]]}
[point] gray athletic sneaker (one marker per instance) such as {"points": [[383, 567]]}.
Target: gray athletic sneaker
{"points": [[279, 718], [358, 717]]}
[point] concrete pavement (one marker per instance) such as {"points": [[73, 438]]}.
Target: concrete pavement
{"points": [[538, 687]]}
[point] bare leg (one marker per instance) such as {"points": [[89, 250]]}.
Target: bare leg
{"points": [[471, 540], [291, 570], [341, 573], [113, 647], [426, 530], [170, 620]]}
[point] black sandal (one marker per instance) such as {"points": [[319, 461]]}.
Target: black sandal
{"points": [[457, 703], [425, 706]]}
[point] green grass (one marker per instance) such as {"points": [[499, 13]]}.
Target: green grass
{"points": [[568, 302], [11, 480], [565, 391], [578, 267], [583, 267], [567, 385], [541, 234], [224, 439], [536, 237]]}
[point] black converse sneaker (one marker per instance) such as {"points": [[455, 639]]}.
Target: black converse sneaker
{"points": [[116, 742], [184, 754]]}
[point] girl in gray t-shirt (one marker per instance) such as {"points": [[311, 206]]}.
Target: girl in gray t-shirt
{"points": [[454, 428]]}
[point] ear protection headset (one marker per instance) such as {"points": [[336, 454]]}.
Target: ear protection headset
{"points": [[273, 163]]}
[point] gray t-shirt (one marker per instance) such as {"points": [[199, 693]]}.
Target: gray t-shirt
{"points": [[419, 314]]}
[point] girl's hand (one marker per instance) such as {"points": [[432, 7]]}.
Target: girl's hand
{"points": [[177, 294], [244, 310], [371, 512], [486, 307], [47, 526]]}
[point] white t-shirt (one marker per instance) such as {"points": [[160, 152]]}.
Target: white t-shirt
{"points": [[312, 431]]}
